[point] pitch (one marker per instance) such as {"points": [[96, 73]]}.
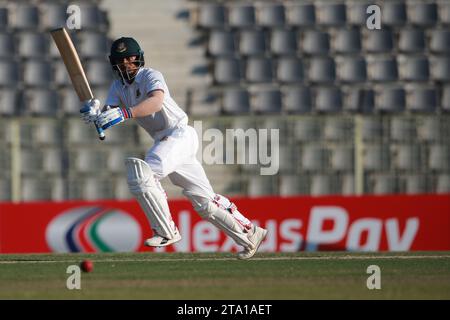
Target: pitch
{"points": [[321, 275]]}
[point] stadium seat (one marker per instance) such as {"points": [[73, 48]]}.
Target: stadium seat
{"points": [[440, 68], [34, 189], [359, 100], [293, 185], [97, 188], [70, 103], [393, 13], [357, 12], [53, 15], [121, 190], [351, 69], [348, 184], [267, 101], [297, 99], [376, 157], [9, 102], [93, 45], [205, 103], [5, 190], [382, 69], [211, 16], [439, 157], [413, 68], [322, 70], [41, 102], [390, 99], [61, 76], [440, 41], [313, 158], [443, 183], [328, 99], [415, 184], [307, 129], [79, 133], [321, 185], [383, 184], [301, 14], [52, 161], [252, 42], [337, 129], [406, 157], [93, 17], [221, 43], [423, 14], [32, 45], [227, 71], [283, 42], [4, 20], [429, 129], [7, 46], [271, 15], [99, 72], [331, 14], [315, 42], [342, 158], [402, 129], [412, 40], [347, 41], [25, 17], [444, 12], [259, 70], [236, 101], [47, 132], [290, 70], [422, 99], [88, 160], [287, 158], [260, 186], [30, 161], [116, 159], [445, 102], [241, 16], [372, 129], [37, 73], [378, 41]]}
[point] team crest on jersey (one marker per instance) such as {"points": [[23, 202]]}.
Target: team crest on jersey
{"points": [[121, 47], [138, 93]]}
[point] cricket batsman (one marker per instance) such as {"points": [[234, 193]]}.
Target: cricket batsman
{"points": [[140, 93]]}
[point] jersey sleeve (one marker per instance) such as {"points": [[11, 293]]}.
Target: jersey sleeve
{"points": [[113, 96], [154, 81]]}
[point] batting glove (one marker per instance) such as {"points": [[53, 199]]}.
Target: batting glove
{"points": [[113, 116], [90, 110]]}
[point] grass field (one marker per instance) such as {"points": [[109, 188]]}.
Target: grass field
{"points": [[321, 275]]}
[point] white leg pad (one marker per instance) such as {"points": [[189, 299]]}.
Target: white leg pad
{"points": [[225, 221], [142, 185]]}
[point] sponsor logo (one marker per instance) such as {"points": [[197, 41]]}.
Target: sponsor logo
{"points": [[93, 229], [121, 47]]}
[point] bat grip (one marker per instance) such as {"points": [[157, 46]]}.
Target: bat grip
{"points": [[101, 134]]}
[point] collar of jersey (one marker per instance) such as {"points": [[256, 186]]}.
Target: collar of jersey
{"points": [[137, 78]]}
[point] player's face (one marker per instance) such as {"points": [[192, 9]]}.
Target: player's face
{"points": [[128, 65]]}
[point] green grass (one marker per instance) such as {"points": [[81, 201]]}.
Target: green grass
{"points": [[322, 275]]}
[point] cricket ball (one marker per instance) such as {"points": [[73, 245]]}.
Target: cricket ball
{"points": [[87, 265]]}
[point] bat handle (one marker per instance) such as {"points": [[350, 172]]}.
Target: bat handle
{"points": [[101, 133]]}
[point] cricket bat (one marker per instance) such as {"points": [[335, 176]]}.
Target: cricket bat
{"points": [[74, 68]]}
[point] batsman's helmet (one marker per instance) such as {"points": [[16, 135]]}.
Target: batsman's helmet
{"points": [[122, 48]]}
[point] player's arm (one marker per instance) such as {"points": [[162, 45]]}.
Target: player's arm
{"points": [[151, 105]]}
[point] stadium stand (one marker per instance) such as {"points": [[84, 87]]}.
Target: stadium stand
{"points": [[310, 67]]}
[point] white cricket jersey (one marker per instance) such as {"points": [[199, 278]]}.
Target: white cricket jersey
{"points": [[158, 124]]}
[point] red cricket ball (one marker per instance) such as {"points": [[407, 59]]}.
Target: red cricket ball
{"points": [[87, 265]]}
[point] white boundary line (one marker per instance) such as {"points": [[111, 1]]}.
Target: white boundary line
{"points": [[230, 259]]}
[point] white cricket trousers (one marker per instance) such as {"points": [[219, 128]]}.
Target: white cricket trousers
{"points": [[175, 156]]}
